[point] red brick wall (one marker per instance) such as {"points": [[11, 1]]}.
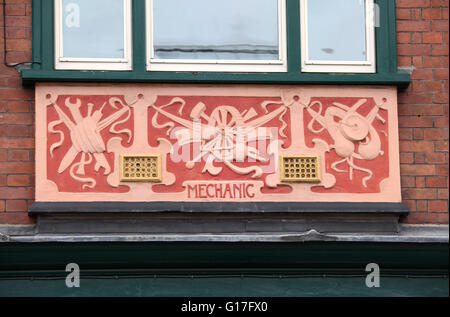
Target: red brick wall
{"points": [[422, 37], [423, 108], [16, 117]]}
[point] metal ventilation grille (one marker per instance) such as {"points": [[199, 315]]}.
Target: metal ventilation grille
{"points": [[300, 168], [140, 168]]}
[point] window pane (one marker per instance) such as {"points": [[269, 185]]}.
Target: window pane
{"points": [[337, 30], [215, 29], [93, 28]]}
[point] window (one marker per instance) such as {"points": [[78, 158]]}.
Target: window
{"points": [[93, 35], [215, 41], [338, 36], [205, 35]]}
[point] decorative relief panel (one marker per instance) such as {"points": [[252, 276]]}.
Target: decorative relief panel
{"points": [[213, 143]]}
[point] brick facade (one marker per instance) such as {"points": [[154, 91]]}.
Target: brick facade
{"points": [[422, 33], [422, 37], [16, 117]]}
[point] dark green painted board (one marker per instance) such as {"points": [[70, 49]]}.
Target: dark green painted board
{"points": [[229, 287], [223, 269], [225, 257]]}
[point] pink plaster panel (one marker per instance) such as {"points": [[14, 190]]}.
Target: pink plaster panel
{"points": [[217, 143]]}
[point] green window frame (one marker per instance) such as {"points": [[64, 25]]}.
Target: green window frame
{"points": [[43, 68]]}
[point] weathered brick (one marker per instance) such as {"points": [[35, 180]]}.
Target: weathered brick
{"points": [[18, 106], [15, 9], [442, 218], [421, 218], [408, 181], [433, 181], [16, 143], [405, 61], [418, 134], [16, 205], [18, 155], [403, 14], [441, 98], [420, 182], [439, 3], [413, 3], [18, 180], [416, 146], [442, 170], [17, 167], [16, 33], [426, 74], [433, 134], [433, 86], [16, 118], [16, 218], [18, 131], [415, 122], [435, 158], [18, 45], [431, 37], [16, 193], [417, 98], [440, 74], [439, 25], [438, 206], [419, 157], [405, 134], [410, 203], [439, 50], [407, 169], [440, 122], [443, 193], [433, 110], [441, 146], [18, 21], [404, 37], [417, 49], [406, 158], [432, 61]]}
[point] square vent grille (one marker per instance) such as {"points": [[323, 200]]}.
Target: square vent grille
{"points": [[140, 168], [300, 168]]}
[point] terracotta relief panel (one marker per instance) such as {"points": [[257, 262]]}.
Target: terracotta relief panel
{"points": [[147, 143]]}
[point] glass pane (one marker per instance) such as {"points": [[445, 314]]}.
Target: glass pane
{"points": [[215, 29], [93, 28], [337, 30]]}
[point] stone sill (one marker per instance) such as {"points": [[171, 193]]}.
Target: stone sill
{"points": [[407, 234]]}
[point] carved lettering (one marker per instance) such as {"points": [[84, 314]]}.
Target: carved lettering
{"points": [[194, 189], [221, 190]]}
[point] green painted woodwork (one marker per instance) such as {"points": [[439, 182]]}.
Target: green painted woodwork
{"points": [[43, 56], [187, 286], [224, 269], [226, 258]]}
